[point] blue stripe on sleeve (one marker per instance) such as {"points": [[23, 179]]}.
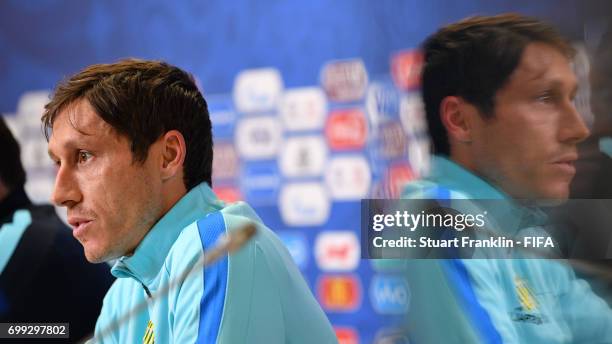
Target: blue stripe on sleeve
{"points": [[458, 277], [215, 280]]}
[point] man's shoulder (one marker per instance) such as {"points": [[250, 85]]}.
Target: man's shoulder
{"points": [[263, 248], [203, 232], [239, 213], [185, 251], [261, 279]]}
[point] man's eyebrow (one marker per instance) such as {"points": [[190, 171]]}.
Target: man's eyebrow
{"points": [[558, 84], [72, 143]]}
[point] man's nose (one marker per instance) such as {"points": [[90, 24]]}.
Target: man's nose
{"points": [[65, 192], [572, 128]]}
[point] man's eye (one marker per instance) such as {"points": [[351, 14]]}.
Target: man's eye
{"points": [[546, 97], [84, 156]]}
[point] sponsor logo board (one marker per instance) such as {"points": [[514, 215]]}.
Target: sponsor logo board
{"points": [[390, 294], [303, 156], [339, 293], [337, 250], [406, 69], [257, 90], [346, 129], [304, 204], [303, 109], [258, 137], [348, 177], [344, 80]]}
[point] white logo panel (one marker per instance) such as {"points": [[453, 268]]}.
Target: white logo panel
{"points": [[412, 114], [348, 178], [337, 250], [257, 90], [344, 80], [304, 204], [303, 108], [303, 156], [258, 137], [225, 161]]}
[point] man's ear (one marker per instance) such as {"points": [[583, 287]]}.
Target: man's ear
{"points": [[457, 116], [173, 154]]}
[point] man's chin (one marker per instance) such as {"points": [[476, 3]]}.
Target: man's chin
{"points": [[95, 257], [554, 195]]}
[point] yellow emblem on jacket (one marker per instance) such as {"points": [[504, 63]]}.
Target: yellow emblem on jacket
{"points": [[149, 336], [525, 295]]}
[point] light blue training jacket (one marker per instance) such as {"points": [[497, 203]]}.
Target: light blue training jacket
{"points": [[509, 300], [256, 295]]}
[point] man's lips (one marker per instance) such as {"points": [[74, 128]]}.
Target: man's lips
{"points": [[78, 224], [569, 157], [566, 163]]}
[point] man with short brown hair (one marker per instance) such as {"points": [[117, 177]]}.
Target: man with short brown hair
{"points": [[132, 142], [498, 94]]}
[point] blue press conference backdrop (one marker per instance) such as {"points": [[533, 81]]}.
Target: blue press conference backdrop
{"points": [[315, 105], [42, 41]]}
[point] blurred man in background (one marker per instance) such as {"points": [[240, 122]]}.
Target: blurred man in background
{"points": [[44, 276], [498, 94], [133, 144]]}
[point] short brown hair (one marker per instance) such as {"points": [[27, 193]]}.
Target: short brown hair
{"points": [[474, 59], [143, 100]]}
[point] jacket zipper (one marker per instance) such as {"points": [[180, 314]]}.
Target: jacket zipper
{"points": [[146, 290]]}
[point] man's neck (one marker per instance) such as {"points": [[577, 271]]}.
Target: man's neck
{"points": [[461, 158], [172, 197]]}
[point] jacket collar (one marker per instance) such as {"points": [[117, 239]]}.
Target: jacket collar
{"points": [[455, 177], [510, 214]]}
